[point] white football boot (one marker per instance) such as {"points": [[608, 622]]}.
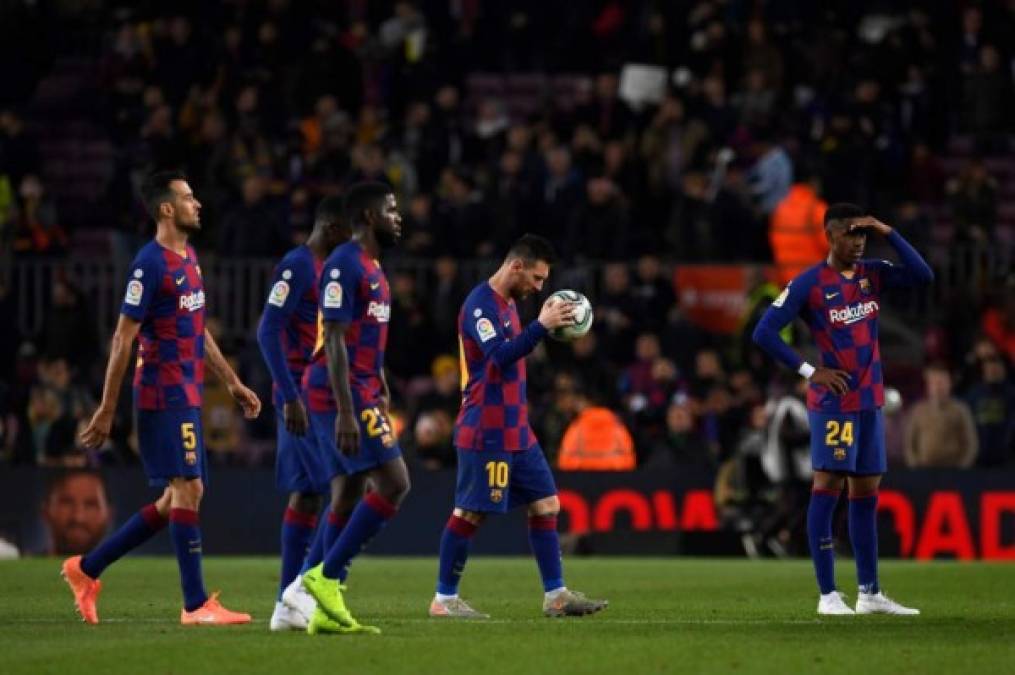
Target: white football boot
{"points": [[296, 598], [284, 618], [833, 604], [879, 603]]}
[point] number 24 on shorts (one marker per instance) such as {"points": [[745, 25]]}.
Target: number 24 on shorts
{"points": [[838, 434]]}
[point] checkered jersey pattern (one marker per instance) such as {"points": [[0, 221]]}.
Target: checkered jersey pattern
{"points": [[165, 293], [494, 413], [295, 294], [353, 291]]}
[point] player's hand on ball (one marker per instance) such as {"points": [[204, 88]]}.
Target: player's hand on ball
{"points": [[247, 399], [836, 380], [555, 313], [347, 434], [295, 416], [97, 431]]}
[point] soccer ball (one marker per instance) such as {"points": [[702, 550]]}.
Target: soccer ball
{"points": [[583, 316]]}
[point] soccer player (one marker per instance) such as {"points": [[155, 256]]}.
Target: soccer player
{"points": [[500, 463], [348, 397], [840, 299], [287, 335], [164, 309]]}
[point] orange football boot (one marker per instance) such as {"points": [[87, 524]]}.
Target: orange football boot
{"points": [[85, 589], [212, 613]]}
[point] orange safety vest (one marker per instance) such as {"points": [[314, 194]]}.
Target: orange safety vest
{"points": [[597, 441], [796, 231]]}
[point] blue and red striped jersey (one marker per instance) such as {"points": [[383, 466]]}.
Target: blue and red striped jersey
{"points": [[289, 324], [492, 346], [353, 291], [842, 313], [165, 294]]}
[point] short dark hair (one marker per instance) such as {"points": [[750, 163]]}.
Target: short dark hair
{"points": [[330, 209], [532, 248], [363, 196], [155, 190], [843, 211]]}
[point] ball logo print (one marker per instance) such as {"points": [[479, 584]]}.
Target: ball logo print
{"points": [[279, 293], [583, 316], [333, 295]]}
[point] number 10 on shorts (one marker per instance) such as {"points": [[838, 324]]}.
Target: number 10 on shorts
{"points": [[497, 474]]}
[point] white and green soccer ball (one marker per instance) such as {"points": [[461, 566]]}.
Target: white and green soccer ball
{"points": [[583, 316]]}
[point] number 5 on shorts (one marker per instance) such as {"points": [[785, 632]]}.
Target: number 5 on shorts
{"points": [[188, 435], [497, 473]]}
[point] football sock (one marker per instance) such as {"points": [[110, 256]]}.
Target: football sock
{"points": [[819, 536], [863, 534], [328, 529], [455, 543], [367, 519], [297, 530], [546, 548], [136, 531], [186, 535]]}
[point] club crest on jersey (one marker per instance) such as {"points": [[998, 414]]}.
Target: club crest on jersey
{"points": [[485, 329], [496, 496], [190, 457], [135, 289], [332, 295], [192, 301], [379, 310], [279, 292], [839, 454], [852, 313], [865, 285]]}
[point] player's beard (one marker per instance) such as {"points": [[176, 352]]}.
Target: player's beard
{"points": [[188, 227], [386, 238]]}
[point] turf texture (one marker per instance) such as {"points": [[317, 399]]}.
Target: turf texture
{"points": [[665, 616]]}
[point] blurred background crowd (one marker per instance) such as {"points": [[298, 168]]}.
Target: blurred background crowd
{"points": [[641, 137]]}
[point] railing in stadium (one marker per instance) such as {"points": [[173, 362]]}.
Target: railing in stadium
{"points": [[236, 288]]}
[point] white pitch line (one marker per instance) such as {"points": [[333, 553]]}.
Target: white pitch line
{"points": [[481, 622]]}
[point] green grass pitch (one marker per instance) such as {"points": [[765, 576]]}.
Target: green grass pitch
{"points": [[665, 615]]}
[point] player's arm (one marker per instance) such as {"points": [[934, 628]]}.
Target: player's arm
{"points": [[504, 351], [97, 431], [385, 392], [281, 304], [346, 427], [913, 270], [223, 371], [779, 315]]}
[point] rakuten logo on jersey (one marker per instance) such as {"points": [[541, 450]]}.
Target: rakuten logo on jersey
{"points": [[853, 313], [380, 311], [192, 301]]}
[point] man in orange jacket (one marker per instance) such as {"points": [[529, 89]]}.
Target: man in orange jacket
{"points": [[796, 230], [596, 439]]}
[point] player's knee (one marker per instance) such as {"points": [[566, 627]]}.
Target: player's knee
{"points": [[398, 490], [304, 502], [473, 517], [187, 494], [550, 506]]}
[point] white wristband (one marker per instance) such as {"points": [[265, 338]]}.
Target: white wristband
{"points": [[806, 370]]}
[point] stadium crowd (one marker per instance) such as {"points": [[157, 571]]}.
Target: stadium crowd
{"points": [[270, 106]]}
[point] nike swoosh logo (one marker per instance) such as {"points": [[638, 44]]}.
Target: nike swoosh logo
{"points": [[829, 296], [179, 282], [374, 287]]}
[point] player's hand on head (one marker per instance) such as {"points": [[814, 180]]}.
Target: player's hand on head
{"points": [[247, 399], [295, 415], [833, 378], [870, 224], [97, 431], [347, 434], [555, 313]]}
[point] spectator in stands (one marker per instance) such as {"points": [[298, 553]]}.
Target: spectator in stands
{"points": [[57, 407], [998, 321], [68, 329], [599, 228], [972, 196], [940, 431], [252, 228], [987, 98], [653, 294], [992, 402], [37, 229], [647, 386], [796, 229], [681, 443], [596, 439], [410, 348], [435, 416], [616, 312]]}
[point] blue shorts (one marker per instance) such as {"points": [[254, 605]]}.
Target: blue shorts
{"points": [[300, 464], [495, 481], [377, 442], [171, 444], [848, 442]]}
